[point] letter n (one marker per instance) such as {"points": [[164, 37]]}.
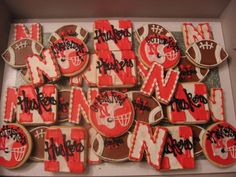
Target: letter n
{"points": [[152, 144], [164, 86]]}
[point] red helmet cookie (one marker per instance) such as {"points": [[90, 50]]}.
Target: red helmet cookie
{"points": [[111, 113]]}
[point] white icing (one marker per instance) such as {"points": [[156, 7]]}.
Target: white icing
{"points": [[152, 114], [198, 55], [100, 149], [12, 56], [216, 104], [92, 157]]}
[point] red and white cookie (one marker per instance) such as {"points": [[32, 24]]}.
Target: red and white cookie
{"points": [[21, 32], [116, 69], [146, 141], [66, 31], [111, 113], [17, 53], [71, 54], [65, 149], [178, 151], [15, 145], [219, 144], [147, 108], [160, 49], [38, 135], [216, 104], [112, 149], [9, 108], [151, 29], [206, 54], [163, 85], [38, 68], [112, 35], [198, 133], [189, 105], [37, 106], [63, 105], [190, 72], [193, 34]]}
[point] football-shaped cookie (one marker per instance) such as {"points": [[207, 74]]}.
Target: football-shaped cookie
{"points": [[68, 30], [17, 53], [206, 53], [112, 149]]}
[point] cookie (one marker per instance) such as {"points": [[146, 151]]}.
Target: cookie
{"points": [[65, 149], [151, 29], [63, 105], [216, 104], [146, 108], [9, 108], [68, 31], [163, 85], [79, 105], [198, 133], [38, 68], [150, 142], [24, 74], [160, 49], [178, 151], [112, 149], [112, 35], [190, 72], [206, 54], [72, 55], [116, 69], [21, 32], [16, 145], [189, 105], [219, 144], [17, 53], [111, 113], [192, 34], [93, 158], [37, 106], [89, 75], [38, 135]]}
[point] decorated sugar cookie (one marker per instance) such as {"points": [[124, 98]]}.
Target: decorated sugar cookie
{"points": [[68, 30], [151, 29], [37, 106], [148, 142], [21, 32], [116, 69], [198, 133], [9, 108], [38, 135], [178, 151], [160, 49], [190, 72], [17, 53], [112, 149], [189, 105], [39, 68], [112, 35], [147, 109], [16, 145], [219, 144], [163, 85], [63, 105], [206, 54], [65, 149], [111, 113], [71, 54]]}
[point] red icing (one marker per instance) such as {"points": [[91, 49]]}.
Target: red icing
{"points": [[25, 115], [111, 113], [13, 153], [9, 113], [21, 31], [221, 149], [106, 29], [164, 87], [152, 49]]}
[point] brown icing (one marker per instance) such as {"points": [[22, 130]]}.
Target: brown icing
{"points": [[208, 56], [197, 132]]}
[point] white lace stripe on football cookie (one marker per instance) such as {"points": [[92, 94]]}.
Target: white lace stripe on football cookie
{"points": [[78, 31], [12, 56], [53, 35], [199, 74], [218, 54], [153, 113], [100, 148], [198, 55], [216, 104]]}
